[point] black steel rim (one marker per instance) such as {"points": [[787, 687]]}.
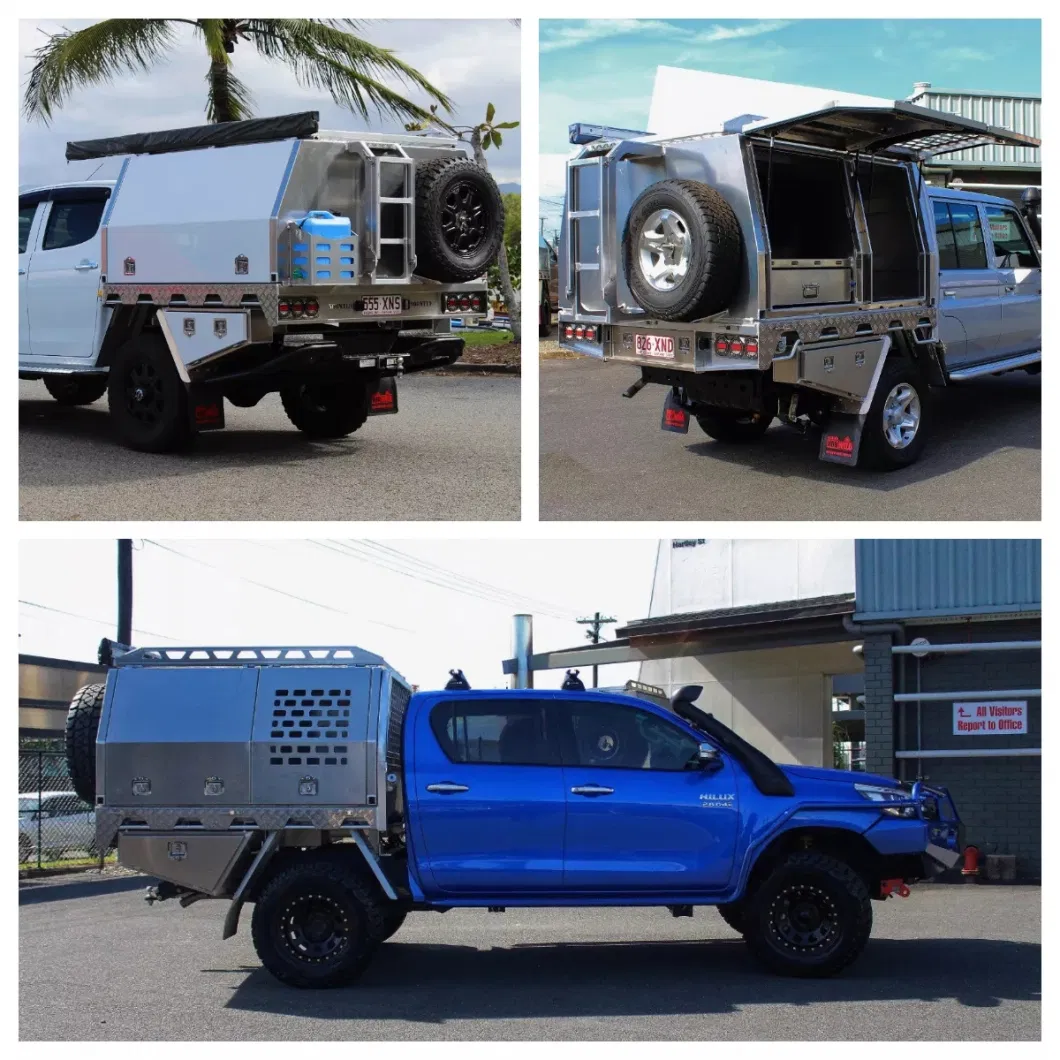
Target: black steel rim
{"points": [[315, 929], [464, 217], [804, 919], [144, 396]]}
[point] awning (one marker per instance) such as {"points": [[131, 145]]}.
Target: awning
{"points": [[902, 129]]}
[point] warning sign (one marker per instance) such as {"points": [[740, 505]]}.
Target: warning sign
{"points": [[993, 718]]}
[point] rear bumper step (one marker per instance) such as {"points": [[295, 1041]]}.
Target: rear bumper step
{"points": [[994, 367]]}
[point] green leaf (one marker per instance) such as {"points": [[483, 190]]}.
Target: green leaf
{"points": [[490, 112], [507, 125], [496, 138], [486, 144]]}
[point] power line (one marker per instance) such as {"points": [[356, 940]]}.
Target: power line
{"points": [[273, 589], [89, 618]]}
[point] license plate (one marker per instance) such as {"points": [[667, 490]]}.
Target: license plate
{"points": [[382, 305], [661, 346]]}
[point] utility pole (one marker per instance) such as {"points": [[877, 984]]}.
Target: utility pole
{"points": [[596, 622], [125, 592]]}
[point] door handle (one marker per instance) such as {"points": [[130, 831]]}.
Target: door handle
{"points": [[949, 294], [22, 272], [82, 265], [447, 787], [591, 789], [1010, 289]]}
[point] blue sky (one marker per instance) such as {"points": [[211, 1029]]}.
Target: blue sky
{"points": [[600, 70]]}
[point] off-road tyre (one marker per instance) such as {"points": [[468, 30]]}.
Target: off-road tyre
{"points": [[317, 923], [810, 918], [148, 401], [393, 918], [876, 451], [734, 914], [82, 724], [733, 425], [459, 220], [715, 251], [76, 389], [326, 410]]}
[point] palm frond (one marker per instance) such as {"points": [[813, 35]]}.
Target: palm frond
{"points": [[323, 53], [79, 58], [227, 97]]}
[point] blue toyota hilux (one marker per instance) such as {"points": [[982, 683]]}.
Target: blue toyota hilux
{"points": [[481, 798]]}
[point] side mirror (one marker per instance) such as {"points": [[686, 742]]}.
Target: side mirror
{"points": [[709, 757]]}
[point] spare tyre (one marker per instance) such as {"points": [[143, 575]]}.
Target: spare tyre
{"points": [[82, 724], [683, 252], [459, 220]]}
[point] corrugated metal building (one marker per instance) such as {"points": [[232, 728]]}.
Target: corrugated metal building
{"points": [[972, 612], [1015, 167]]}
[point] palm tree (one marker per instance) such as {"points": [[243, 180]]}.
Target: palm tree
{"points": [[323, 53]]}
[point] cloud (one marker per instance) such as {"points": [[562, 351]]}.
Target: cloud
{"points": [[879, 53], [555, 37], [963, 55]]}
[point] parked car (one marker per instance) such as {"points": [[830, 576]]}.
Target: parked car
{"points": [[314, 784], [548, 286], [321, 265], [801, 269], [55, 822]]}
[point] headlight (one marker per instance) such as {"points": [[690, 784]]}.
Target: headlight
{"points": [[878, 793]]}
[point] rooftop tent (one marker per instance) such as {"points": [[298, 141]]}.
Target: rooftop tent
{"points": [[901, 129]]}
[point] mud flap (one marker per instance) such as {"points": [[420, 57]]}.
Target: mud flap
{"points": [[841, 439], [675, 416], [206, 408], [384, 399]]}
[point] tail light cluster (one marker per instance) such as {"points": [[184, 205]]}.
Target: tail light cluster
{"points": [[736, 346], [463, 303], [586, 332], [293, 308]]}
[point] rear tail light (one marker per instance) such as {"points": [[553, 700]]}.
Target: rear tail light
{"points": [[465, 302], [568, 331], [590, 334], [736, 347], [312, 307], [751, 348], [452, 303], [297, 309], [721, 345], [284, 310], [579, 332], [476, 302]]}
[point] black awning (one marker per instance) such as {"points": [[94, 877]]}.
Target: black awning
{"points": [[220, 134], [744, 617]]}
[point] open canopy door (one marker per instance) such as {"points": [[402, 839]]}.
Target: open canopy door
{"points": [[902, 129]]}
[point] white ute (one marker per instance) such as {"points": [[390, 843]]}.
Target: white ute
{"points": [[231, 261]]}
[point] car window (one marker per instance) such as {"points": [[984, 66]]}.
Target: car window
{"points": [[960, 232], [497, 733], [1012, 249], [25, 223], [71, 223], [64, 806], [618, 737], [27, 805]]}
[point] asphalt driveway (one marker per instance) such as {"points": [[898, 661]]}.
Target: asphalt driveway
{"points": [[604, 457], [950, 962]]}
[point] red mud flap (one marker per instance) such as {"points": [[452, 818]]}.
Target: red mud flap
{"points": [[841, 440], [675, 417], [206, 409], [384, 400], [898, 887]]}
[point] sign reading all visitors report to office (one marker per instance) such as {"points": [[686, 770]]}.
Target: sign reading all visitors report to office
{"points": [[1002, 717]]}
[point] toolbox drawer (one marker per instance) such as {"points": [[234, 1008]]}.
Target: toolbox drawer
{"points": [[810, 282]]}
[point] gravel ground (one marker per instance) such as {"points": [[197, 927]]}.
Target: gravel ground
{"points": [[950, 962], [452, 452]]}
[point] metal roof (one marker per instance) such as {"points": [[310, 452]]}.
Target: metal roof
{"points": [[1015, 111]]}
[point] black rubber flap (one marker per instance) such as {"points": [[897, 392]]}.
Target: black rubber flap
{"points": [[220, 134]]}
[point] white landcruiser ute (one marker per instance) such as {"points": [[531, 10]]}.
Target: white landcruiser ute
{"points": [[234, 260]]}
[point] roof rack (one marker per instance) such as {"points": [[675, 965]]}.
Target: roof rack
{"points": [[289, 656]]}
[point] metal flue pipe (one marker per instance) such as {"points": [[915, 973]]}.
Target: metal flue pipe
{"points": [[522, 650]]}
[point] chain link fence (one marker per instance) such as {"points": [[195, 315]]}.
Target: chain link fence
{"points": [[55, 828]]}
